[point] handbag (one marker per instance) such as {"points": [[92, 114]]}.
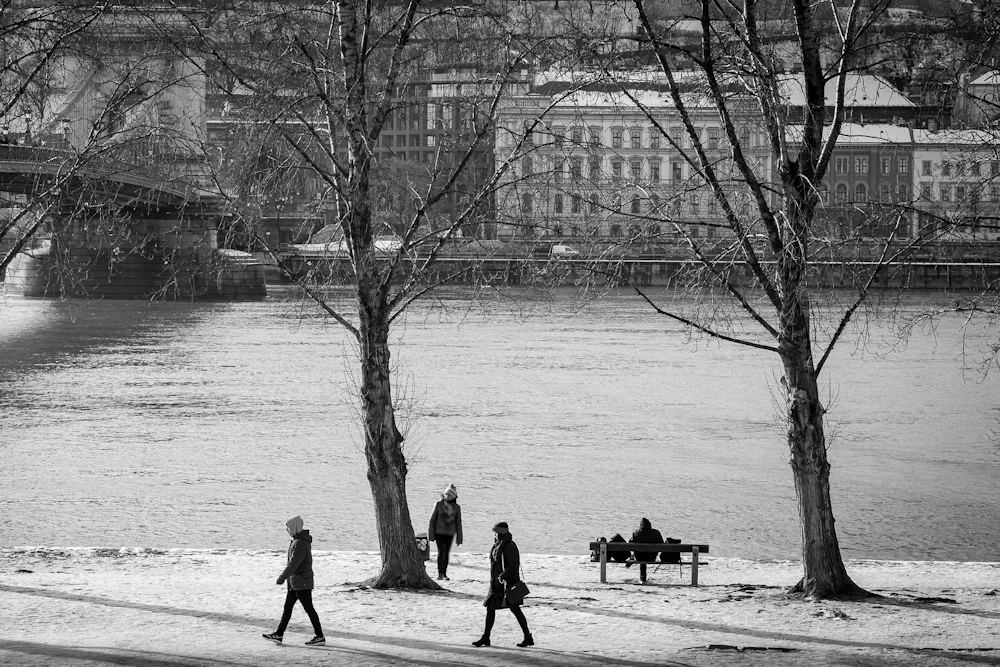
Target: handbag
{"points": [[516, 592]]}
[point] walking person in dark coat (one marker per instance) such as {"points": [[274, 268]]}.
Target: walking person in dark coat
{"points": [[505, 571], [645, 534], [445, 525], [299, 575]]}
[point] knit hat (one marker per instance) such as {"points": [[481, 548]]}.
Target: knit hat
{"points": [[450, 489], [645, 523], [500, 528]]}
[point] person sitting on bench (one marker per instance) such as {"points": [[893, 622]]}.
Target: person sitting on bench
{"points": [[646, 534]]}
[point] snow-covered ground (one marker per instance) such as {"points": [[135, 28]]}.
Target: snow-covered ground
{"points": [[209, 607]]}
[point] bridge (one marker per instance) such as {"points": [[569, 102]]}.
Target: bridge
{"points": [[119, 230]]}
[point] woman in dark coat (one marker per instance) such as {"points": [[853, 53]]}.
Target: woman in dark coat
{"points": [[505, 571], [299, 574], [445, 526]]}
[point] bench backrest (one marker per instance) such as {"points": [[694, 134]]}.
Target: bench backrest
{"points": [[644, 547]]}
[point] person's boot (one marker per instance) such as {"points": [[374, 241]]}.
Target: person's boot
{"points": [[528, 641], [482, 641]]}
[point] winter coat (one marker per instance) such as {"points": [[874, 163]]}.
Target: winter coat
{"points": [[646, 535], [505, 570], [444, 522], [299, 571]]}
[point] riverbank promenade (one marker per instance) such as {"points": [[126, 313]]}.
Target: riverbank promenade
{"points": [[209, 607]]}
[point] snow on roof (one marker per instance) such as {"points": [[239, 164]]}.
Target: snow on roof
{"points": [[857, 134], [860, 90], [991, 78], [961, 137]]}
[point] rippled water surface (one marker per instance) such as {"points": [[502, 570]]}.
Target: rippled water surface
{"points": [[207, 425]]}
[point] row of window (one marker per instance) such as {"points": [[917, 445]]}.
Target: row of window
{"points": [[576, 167], [569, 204], [638, 138], [961, 168], [886, 164], [948, 192]]}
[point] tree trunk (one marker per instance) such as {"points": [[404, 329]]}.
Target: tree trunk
{"points": [[402, 563], [823, 572]]}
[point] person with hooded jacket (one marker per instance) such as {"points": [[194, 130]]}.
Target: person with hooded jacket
{"points": [[645, 534], [445, 525], [505, 571], [299, 575]]}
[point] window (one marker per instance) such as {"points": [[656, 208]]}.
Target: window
{"points": [[885, 193], [557, 204], [902, 165], [695, 203], [654, 172], [860, 192], [575, 168], [960, 168], [861, 164], [713, 204], [841, 193], [976, 169], [960, 193], [677, 135], [902, 192], [527, 204], [595, 203], [635, 138], [676, 171], [995, 168], [557, 136], [527, 168], [616, 169], [616, 137], [557, 169], [576, 204], [636, 205], [946, 168], [885, 163], [635, 169], [654, 138], [577, 134], [994, 193], [595, 136], [713, 138], [945, 193], [616, 231], [654, 203], [925, 191], [745, 137], [841, 165], [925, 169], [594, 167]]}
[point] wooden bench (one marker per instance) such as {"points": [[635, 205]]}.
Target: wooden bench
{"points": [[603, 548]]}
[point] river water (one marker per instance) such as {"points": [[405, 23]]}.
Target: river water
{"points": [[208, 424]]}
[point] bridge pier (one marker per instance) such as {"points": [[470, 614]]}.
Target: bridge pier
{"points": [[139, 257]]}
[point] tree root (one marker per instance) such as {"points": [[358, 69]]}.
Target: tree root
{"points": [[850, 591], [398, 580]]}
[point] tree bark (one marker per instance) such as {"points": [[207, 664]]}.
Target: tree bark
{"points": [[824, 574], [402, 563]]}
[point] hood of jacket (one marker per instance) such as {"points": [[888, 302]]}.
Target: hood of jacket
{"points": [[303, 535], [294, 525]]}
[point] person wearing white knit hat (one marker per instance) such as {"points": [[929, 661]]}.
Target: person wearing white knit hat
{"points": [[445, 526]]}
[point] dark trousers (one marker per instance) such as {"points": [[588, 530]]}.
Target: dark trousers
{"points": [[306, 598], [491, 617], [444, 551]]}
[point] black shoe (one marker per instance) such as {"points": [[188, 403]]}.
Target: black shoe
{"points": [[274, 637], [528, 641], [482, 641], [316, 641]]}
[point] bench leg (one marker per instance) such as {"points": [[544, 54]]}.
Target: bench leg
{"points": [[694, 566], [604, 562]]}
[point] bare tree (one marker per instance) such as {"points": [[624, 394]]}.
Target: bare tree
{"points": [[326, 82]]}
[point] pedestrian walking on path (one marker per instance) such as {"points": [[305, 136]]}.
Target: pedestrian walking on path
{"points": [[445, 526], [299, 575], [505, 572]]}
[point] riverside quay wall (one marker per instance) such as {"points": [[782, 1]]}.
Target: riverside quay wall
{"points": [[644, 271]]}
